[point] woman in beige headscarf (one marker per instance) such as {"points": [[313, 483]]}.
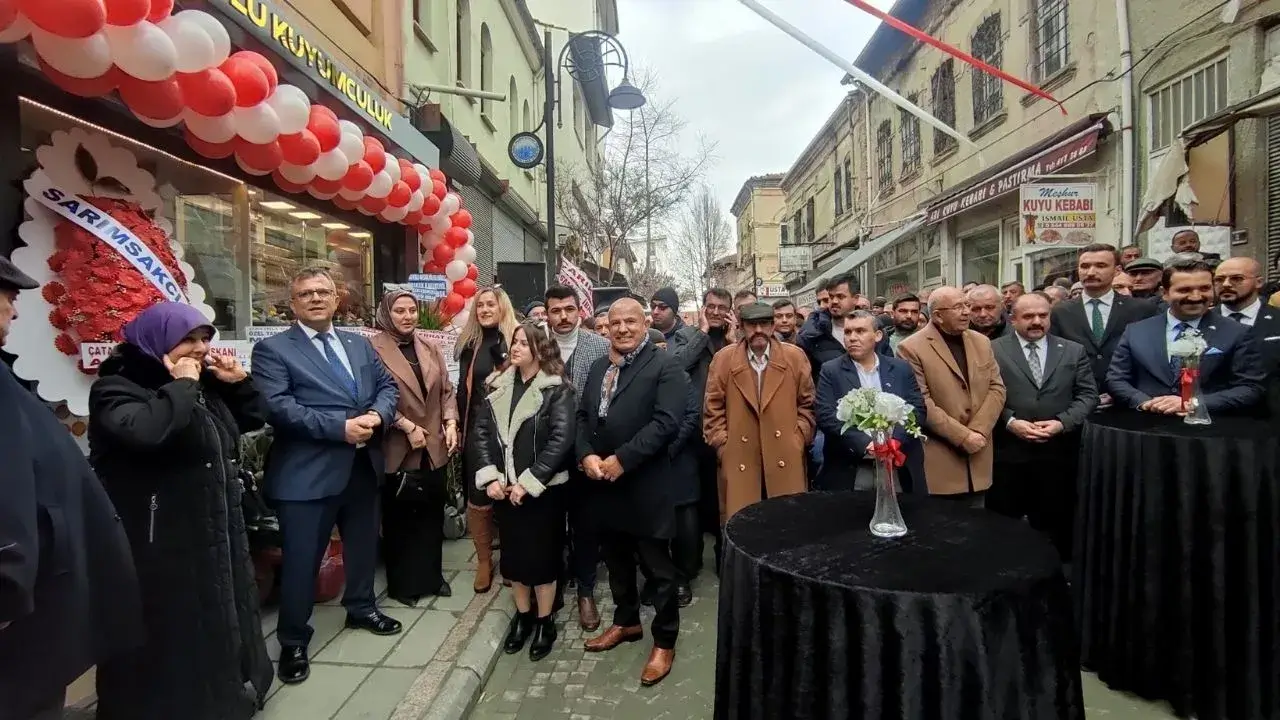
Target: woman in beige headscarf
{"points": [[417, 448]]}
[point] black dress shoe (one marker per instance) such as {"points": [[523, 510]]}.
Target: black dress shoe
{"points": [[518, 632], [294, 667], [684, 595], [376, 623], [445, 590], [544, 637]]}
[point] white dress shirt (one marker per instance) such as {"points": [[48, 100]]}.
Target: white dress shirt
{"points": [[1105, 303], [334, 340], [869, 378], [1042, 350], [1250, 312], [837, 330]]}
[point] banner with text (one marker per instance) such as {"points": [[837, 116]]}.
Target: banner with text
{"points": [[1059, 213], [572, 276]]}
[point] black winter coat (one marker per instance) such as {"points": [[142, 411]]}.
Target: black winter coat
{"points": [[67, 584], [168, 453], [685, 488], [527, 439]]}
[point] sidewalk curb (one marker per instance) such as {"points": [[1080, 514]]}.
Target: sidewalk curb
{"points": [[462, 688]]}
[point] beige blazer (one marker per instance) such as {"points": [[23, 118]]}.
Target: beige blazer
{"points": [[430, 411]]}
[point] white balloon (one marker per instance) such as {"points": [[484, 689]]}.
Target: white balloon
{"points": [[215, 31], [440, 222], [320, 195], [394, 214], [292, 106], [352, 146], [428, 241], [82, 58], [471, 238], [451, 204], [425, 174], [198, 51], [331, 165], [352, 195], [158, 123], [466, 253], [250, 170], [381, 185], [218, 129], [17, 30], [393, 168], [258, 124], [143, 51], [363, 210], [455, 270], [297, 174], [347, 127], [415, 201]]}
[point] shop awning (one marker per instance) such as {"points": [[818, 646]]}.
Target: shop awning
{"points": [[1170, 178], [868, 250], [1074, 143], [458, 158]]}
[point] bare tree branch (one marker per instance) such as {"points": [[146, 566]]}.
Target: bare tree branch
{"points": [[702, 237]]}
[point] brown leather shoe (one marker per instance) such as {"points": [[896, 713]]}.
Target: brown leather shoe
{"points": [[588, 615], [658, 667], [613, 637]]}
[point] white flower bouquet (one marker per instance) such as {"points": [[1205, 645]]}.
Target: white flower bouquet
{"points": [[1189, 347], [1188, 350], [871, 410]]}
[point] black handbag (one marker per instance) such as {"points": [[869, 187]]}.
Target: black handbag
{"points": [[260, 522]]}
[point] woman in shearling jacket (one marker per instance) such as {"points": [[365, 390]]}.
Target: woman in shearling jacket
{"points": [[522, 445]]}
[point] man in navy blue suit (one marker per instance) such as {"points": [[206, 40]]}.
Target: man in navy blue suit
{"points": [[846, 462], [329, 397], [1144, 376]]}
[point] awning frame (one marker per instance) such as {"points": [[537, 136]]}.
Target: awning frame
{"points": [[867, 251]]}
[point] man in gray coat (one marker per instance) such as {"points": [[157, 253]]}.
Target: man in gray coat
{"points": [[1050, 391]]}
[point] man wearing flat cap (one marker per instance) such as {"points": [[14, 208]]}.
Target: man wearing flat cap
{"points": [[1147, 274], [758, 414]]}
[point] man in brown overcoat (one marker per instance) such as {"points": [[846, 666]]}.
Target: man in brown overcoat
{"points": [[963, 395], [758, 414]]}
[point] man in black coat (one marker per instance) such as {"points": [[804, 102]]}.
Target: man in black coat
{"points": [[629, 416], [68, 589]]}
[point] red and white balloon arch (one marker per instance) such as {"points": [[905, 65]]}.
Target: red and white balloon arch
{"points": [[177, 68]]}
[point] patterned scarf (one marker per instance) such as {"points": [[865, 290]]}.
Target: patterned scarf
{"points": [[611, 376]]}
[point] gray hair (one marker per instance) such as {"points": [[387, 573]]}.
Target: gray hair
{"points": [[310, 272], [990, 290]]}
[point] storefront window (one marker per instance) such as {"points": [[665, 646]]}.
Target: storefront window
{"points": [[1051, 265], [981, 255], [896, 282]]}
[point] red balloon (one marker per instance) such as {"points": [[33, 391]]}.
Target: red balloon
{"points": [[358, 177], [409, 176], [215, 151], [373, 204], [251, 84], [68, 19], [399, 195], [208, 92], [452, 304], [160, 9], [412, 218], [465, 287], [473, 272], [437, 175], [430, 205], [321, 185], [90, 87], [285, 184], [263, 64], [431, 268], [442, 254], [324, 125], [438, 189], [461, 219], [260, 157], [300, 148], [127, 12], [455, 237], [344, 203], [157, 100], [374, 154]]}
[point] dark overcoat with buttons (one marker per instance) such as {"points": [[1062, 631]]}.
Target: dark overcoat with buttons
{"points": [[168, 454], [759, 429]]}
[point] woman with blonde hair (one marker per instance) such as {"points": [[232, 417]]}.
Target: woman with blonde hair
{"points": [[417, 450], [481, 352]]}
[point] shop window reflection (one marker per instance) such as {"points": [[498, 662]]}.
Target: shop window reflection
{"points": [[981, 258]]}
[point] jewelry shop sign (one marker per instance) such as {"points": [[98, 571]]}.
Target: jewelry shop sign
{"points": [[1059, 213]]}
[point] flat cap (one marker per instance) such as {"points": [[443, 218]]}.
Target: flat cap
{"points": [[656, 336], [756, 312], [12, 277], [1143, 263]]}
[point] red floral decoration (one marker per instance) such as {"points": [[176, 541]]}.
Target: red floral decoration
{"points": [[99, 290]]}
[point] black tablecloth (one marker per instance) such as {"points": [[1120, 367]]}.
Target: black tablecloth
{"points": [[1177, 542], [967, 617]]}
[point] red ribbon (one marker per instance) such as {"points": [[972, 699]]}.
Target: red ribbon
{"points": [[953, 51], [1186, 381], [890, 453]]}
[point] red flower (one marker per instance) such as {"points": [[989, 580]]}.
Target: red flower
{"points": [[53, 291], [58, 320], [66, 345]]}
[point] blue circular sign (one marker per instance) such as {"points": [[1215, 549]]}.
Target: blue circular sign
{"points": [[525, 150]]}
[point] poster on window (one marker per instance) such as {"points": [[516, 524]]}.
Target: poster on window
{"points": [[1059, 214]]}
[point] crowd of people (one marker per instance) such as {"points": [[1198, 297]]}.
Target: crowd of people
{"points": [[623, 439]]}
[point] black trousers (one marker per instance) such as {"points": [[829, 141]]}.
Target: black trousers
{"points": [[686, 546], [709, 500], [305, 527], [583, 537], [621, 553], [1043, 491]]}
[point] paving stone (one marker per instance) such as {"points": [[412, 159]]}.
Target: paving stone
{"points": [[460, 553], [463, 593], [319, 697], [419, 645], [378, 695], [359, 647]]}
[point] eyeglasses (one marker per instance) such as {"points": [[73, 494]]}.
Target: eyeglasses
{"points": [[1233, 279], [308, 294]]}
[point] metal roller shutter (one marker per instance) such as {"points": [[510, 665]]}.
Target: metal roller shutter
{"points": [[1273, 196], [482, 228]]}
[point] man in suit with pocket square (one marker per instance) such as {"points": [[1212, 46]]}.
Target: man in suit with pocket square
{"points": [[1144, 376], [1239, 284], [1050, 392], [329, 396]]}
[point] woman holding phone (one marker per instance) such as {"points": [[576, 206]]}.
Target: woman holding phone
{"points": [[165, 419]]}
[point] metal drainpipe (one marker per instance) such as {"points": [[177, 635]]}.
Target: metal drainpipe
{"points": [[1128, 155]]}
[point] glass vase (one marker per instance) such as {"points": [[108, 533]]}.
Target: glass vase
{"points": [[1192, 400], [887, 521]]}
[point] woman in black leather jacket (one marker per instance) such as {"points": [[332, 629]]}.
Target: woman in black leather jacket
{"points": [[522, 445]]}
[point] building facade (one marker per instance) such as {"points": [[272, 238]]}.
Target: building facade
{"points": [[759, 210]]}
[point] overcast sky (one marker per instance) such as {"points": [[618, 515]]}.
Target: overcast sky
{"points": [[742, 82]]}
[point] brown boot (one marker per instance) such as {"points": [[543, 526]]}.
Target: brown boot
{"points": [[588, 615], [480, 523], [658, 667], [614, 636]]}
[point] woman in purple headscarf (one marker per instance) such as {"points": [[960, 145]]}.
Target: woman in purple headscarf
{"points": [[165, 419]]}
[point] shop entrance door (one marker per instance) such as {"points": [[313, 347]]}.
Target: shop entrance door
{"points": [[1042, 265]]}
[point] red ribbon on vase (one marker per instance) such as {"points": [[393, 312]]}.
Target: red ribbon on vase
{"points": [[1186, 383], [890, 453]]}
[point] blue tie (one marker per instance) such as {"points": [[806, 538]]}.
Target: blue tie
{"points": [[339, 369]]}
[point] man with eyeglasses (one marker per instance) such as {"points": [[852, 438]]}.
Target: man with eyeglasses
{"points": [[1238, 282]]}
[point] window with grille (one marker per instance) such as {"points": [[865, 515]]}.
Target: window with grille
{"points": [[797, 225], [1189, 99], [839, 192], [943, 88], [884, 155], [1050, 42], [808, 221], [910, 140], [988, 92], [848, 184], [783, 228]]}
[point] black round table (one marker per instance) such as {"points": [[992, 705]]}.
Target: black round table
{"points": [[967, 617], [1176, 553]]}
